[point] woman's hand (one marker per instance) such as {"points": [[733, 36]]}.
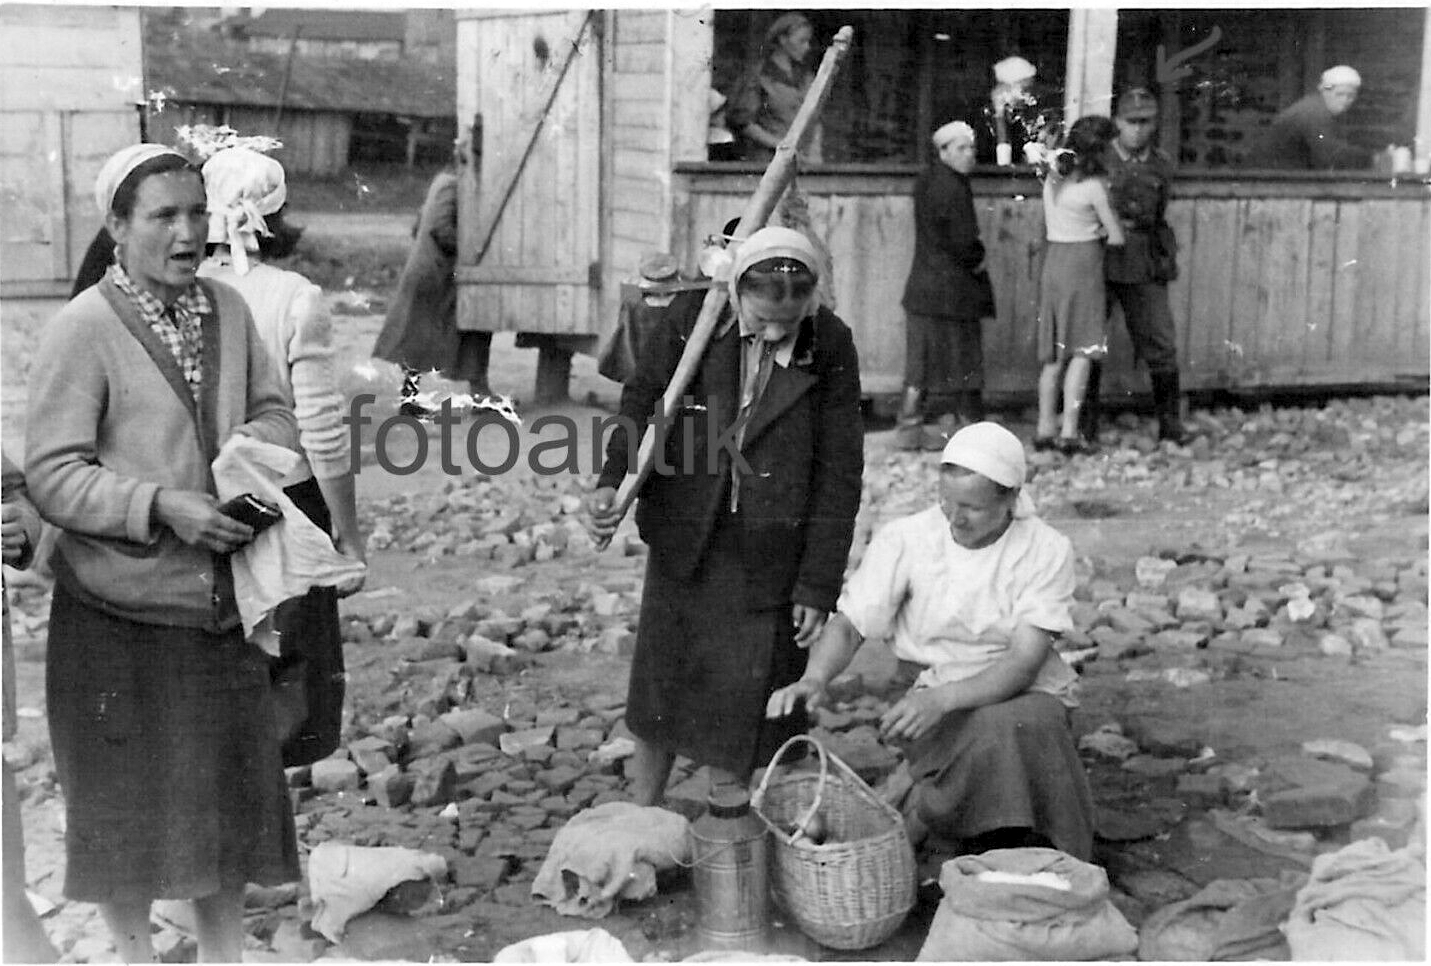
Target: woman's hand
{"points": [[12, 528], [195, 519], [602, 518], [808, 622], [356, 550], [913, 715], [812, 693]]}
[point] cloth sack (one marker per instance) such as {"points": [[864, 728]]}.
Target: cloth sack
{"points": [[1363, 902], [347, 880], [610, 852], [1009, 904], [290, 557], [577, 946], [1229, 919]]}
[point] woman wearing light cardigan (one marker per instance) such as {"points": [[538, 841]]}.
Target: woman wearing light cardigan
{"points": [[160, 714]]}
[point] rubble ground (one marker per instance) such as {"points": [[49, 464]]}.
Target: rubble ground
{"points": [[1251, 631]]}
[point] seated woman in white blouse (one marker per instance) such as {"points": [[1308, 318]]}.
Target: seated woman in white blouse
{"points": [[972, 593]]}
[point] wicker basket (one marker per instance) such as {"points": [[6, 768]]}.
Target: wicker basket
{"points": [[854, 890]]}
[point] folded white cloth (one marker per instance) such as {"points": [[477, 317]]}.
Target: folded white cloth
{"points": [[612, 852], [288, 559], [577, 946], [347, 880]]}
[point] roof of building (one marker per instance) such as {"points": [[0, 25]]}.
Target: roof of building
{"points": [[200, 67], [356, 25]]}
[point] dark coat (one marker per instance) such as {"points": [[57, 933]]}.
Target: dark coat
{"points": [[947, 249], [1306, 137], [804, 446], [421, 326]]}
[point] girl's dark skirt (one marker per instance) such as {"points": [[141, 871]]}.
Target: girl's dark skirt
{"points": [[164, 747], [1008, 765], [705, 666], [1073, 302]]}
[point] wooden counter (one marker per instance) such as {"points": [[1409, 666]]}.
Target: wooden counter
{"points": [[1286, 279]]}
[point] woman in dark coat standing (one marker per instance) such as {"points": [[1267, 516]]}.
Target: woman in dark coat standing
{"points": [[946, 296], [420, 332], [746, 554]]}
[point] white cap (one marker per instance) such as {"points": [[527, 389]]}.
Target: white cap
{"points": [[1341, 76], [952, 130], [1014, 70], [989, 450]]}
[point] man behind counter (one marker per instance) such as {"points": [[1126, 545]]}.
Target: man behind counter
{"points": [[1306, 135]]}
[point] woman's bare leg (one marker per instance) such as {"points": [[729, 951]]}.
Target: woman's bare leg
{"points": [[218, 923], [128, 924], [1074, 385], [1048, 398], [650, 768]]}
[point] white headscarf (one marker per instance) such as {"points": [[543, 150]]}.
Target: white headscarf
{"points": [[774, 242], [121, 164], [952, 130], [243, 186], [994, 453], [1341, 76]]}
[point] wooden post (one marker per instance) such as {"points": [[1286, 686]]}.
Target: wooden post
{"points": [[1088, 74], [1423, 105], [1170, 107], [924, 104], [1314, 50]]}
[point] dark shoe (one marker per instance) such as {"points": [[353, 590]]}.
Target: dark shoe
{"points": [[415, 409], [1167, 406], [1045, 444], [1074, 446]]}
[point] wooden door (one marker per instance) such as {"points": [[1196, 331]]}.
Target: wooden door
{"points": [[529, 234]]}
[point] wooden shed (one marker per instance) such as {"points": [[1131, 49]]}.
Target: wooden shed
{"points": [[70, 95], [1286, 279], [318, 106]]}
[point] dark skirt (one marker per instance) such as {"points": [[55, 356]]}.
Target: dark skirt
{"points": [[943, 354], [705, 666], [1072, 303], [164, 747], [308, 676], [1007, 765]]}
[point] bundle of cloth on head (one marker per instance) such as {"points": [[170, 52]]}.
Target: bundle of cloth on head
{"points": [[120, 166], [994, 453], [1341, 76], [243, 186], [774, 241]]}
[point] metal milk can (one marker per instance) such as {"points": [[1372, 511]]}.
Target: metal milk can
{"points": [[729, 874]]}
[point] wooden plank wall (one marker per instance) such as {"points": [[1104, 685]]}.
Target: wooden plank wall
{"points": [[639, 137], [69, 80], [1273, 291], [536, 272], [314, 142]]}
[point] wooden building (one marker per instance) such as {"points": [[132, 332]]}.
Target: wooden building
{"points": [[1287, 279], [327, 110], [70, 96]]}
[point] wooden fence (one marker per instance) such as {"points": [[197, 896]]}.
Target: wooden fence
{"points": [[1284, 281]]}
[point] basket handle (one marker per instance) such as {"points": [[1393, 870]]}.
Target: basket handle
{"points": [[813, 810]]}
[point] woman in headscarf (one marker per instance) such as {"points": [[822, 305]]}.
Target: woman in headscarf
{"points": [[420, 332], [247, 193], [749, 517], [770, 93], [160, 714], [973, 591]]}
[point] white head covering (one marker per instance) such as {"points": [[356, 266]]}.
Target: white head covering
{"points": [[1014, 70], [243, 186], [1341, 76], [774, 242], [952, 130], [119, 166], [994, 453]]}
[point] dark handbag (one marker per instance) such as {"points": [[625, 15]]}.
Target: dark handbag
{"points": [[307, 679]]}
